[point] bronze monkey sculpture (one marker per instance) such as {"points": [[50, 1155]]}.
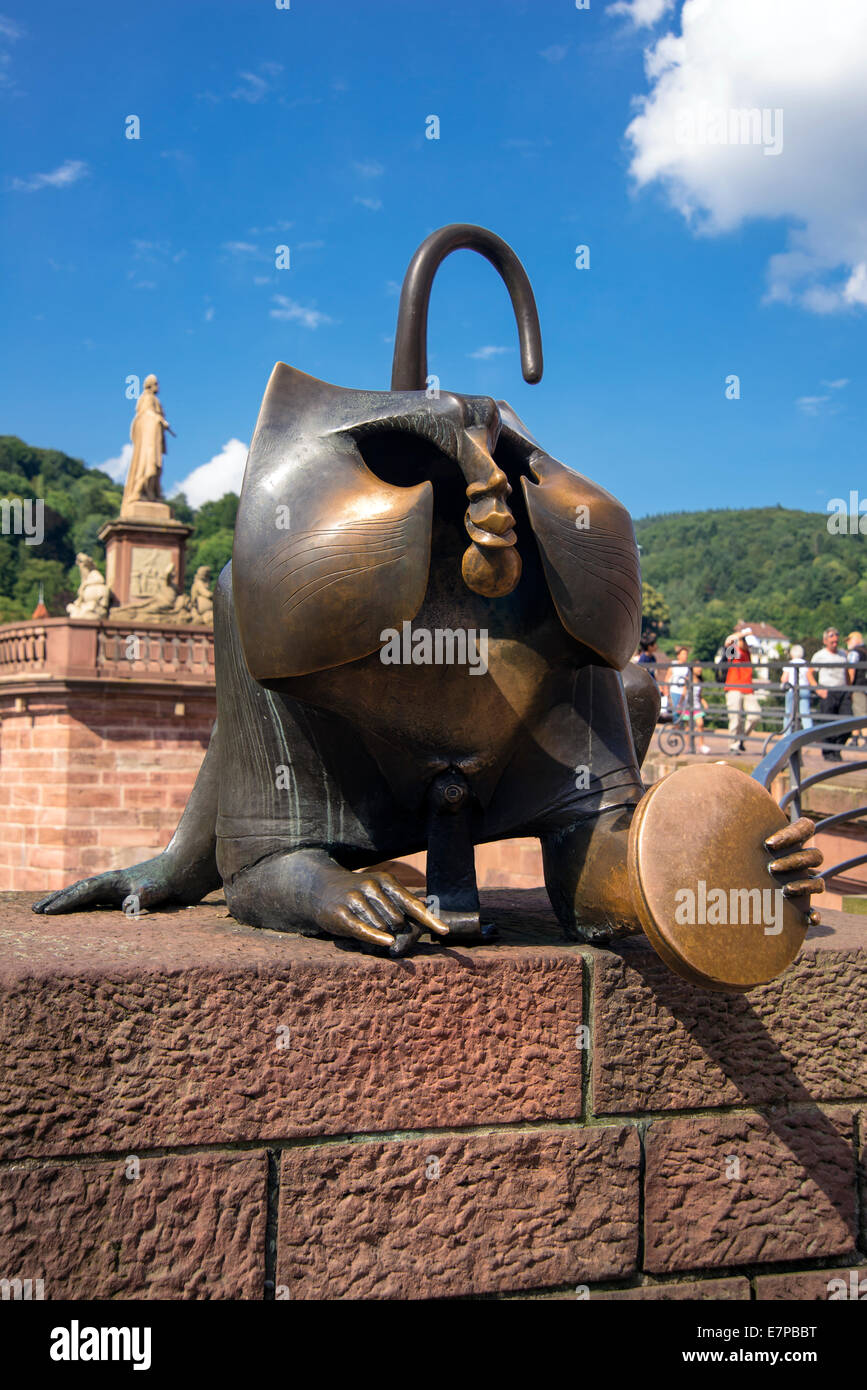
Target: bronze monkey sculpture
{"points": [[508, 706]]}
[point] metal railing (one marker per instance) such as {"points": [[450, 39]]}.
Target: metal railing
{"points": [[787, 707], [794, 710], [787, 756]]}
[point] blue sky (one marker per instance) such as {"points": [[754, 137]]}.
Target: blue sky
{"points": [[306, 127]]}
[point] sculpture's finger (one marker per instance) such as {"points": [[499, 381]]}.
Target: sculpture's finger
{"points": [[102, 890], [804, 885], [795, 834], [348, 923], [365, 911], [385, 909], [405, 939], [412, 906], [791, 863]]}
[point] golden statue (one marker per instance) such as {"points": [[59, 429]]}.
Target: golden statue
{"points": [[148, 435]]}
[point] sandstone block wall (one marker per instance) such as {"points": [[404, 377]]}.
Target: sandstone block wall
{"points": [[94, 779], [193, 1109]]}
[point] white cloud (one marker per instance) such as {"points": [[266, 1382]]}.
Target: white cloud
{"points": [[643, 13], [9, 32], [290, 309], [855, 288], [368, 169], [281, 225], [373, 204], [811, 405], [815, 405], [801, 65], [65, 174], [212, 480], [484, 354], [241, 248], [255, 86], [555, 54], [116, 468]]}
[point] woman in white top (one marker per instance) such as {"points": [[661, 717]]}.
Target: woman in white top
{"points": [[789, 678], [677, 679]]}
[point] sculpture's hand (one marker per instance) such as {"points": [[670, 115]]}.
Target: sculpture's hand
{"points": [[798, 861], [148, 884], [373, 907]]}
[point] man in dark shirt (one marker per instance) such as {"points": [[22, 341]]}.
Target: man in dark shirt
{"points": [[647, 651]]}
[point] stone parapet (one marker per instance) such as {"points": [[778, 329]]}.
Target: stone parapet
{"points": [[190, 1108]]}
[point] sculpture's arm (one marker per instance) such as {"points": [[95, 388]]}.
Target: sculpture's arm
{"points": [[307, 890], [184, 873], [587, 875]]}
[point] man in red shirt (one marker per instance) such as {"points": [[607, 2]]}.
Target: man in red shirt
{"points": [[742, 703]]}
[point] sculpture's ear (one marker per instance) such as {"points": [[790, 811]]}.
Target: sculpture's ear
{"points": [[587, 545], [590, 558], [326, 555]]}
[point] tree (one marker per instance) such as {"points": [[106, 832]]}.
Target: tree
{"points": [[214, 550], [710, 633], [655, 615]]}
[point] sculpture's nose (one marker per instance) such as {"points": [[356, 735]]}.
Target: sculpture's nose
{"points": [[487, 489], [491, 565]]}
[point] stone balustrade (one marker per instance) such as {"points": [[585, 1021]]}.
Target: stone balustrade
{"points": [[64, 649]]}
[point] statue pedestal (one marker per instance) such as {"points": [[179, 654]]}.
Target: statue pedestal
{"points": [[137, 547], [515, 1119]]}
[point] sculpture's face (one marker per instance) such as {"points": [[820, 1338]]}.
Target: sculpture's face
{"points": [[333, 535], [491, 565]]}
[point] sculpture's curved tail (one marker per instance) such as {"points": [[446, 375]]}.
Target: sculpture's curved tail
{"points": [[409, 369]]}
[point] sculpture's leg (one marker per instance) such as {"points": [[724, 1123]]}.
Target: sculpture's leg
{"points": [[301, 805], [642, 702], [581, 769], [587, 879], [585, 863]]}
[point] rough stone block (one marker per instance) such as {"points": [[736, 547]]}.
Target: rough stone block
{"points": [[185, 1228], [661, 1044], [185, 1027], [815, 1285], [453, 1214], [748, 1189]]}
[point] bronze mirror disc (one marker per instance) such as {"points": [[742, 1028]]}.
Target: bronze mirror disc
{"points": [[699, 875]]}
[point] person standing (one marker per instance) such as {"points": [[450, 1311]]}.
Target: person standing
{"points": [[647, 653], [857, 673], [742, 703], [795, 676], [699, 706], [829, 677], [677, 680]]}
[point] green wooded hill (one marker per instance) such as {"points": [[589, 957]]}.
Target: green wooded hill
{"points": [[762, 564], [702, 571], [77, 501]]}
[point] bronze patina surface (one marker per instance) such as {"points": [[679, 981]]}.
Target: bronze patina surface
{"points": [[423, 642], [701, 880]]}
